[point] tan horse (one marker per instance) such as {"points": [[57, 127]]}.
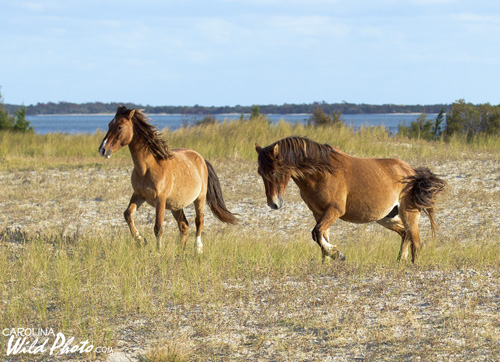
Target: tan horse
{"points": [[335, 185], [165, 179]]}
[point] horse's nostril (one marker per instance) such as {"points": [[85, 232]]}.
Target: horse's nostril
{"points": [[274, 206]]}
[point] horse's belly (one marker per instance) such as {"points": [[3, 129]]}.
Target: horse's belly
{"points": [[176, 200], [182, 198], [360, 218], [362, 213]]}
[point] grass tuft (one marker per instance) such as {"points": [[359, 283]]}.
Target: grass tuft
{"points": [[168, 351]]}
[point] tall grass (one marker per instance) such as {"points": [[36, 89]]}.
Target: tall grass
{"points": [[235, 139], [82, 284]]}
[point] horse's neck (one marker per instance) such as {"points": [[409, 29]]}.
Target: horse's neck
{"points": [[304, 181], [299, 181], [143, 158]]}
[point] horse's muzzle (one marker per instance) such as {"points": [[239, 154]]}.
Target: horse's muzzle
{"points": [[103, 152], [276, 204]]}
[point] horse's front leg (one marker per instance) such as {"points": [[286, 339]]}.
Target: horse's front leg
{"points": [[135, 202], [160, 216], [320, 233]]}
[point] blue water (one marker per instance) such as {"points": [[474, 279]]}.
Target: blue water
{"points": [[90, 123]]}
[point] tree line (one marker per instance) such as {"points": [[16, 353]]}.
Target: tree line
{"points": [[460, 117], [307, 108]]}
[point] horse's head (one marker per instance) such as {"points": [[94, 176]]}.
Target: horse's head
{"points": [[120, 132], [275, 179]]}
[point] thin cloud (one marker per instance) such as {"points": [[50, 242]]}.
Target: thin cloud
{"points": [[433, 2]]}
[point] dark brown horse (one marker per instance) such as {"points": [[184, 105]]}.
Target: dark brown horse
{"points": [[335, 185], [166, 179]]}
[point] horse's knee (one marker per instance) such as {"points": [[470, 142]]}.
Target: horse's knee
{"points": [[127, 215], [183, 228], [316, 235], [416, 245]]}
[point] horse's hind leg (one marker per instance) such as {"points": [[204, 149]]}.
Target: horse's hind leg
{"points": [[199, 206], [183, 224], [395, 224], [410, 220]]}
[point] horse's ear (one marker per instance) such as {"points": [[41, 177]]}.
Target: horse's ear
{"points": [[275, 150], [132, 112], [258, 148]]}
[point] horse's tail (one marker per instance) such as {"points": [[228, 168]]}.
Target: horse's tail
{"points": [[215, 199], [422, 189]]}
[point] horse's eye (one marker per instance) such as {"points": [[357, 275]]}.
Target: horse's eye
{"points": [[120, 128]]}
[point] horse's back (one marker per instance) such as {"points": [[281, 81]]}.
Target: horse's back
{"points": [[373, 171], [188, 156]]}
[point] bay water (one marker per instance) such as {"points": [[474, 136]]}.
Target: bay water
{"points": [[90, 123]]}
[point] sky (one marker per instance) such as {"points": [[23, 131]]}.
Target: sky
{"points": [[246, 52]]}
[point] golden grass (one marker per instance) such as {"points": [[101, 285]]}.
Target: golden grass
{"points": [[233, 139], [251, 295], [168, 351]]}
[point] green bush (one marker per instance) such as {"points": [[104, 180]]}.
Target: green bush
{"points": [[320, 118], [423, 128], [17, 123]]}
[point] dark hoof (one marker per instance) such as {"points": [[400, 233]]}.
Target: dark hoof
{"points": [[338, 256]]}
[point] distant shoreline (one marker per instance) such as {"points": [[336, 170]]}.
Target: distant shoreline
{"points": [[97, 108], [89, 123]]}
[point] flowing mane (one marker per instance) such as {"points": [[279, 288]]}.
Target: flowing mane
{"points": [[149, 136], [297, 154]]}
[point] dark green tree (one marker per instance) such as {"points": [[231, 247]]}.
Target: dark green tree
{"points": [[320, 118], [255, 112], [22, 124], [421, 128], [436, 129], [469, 119], [19, 123], [6, 120]]}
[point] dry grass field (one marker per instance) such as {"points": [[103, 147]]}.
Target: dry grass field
{"points": [[260, 291]]}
